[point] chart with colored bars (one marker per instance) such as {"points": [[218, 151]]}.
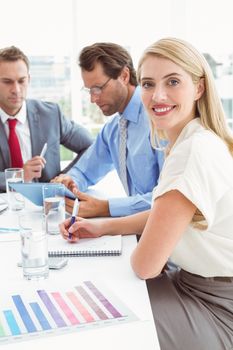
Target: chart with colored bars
{"points": [[42, 312]]}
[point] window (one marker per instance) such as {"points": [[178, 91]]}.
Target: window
{"points": [[43, 31], [52, 33], [206, 24]]}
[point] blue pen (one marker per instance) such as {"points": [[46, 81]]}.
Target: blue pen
{"points": [[74, 213]]}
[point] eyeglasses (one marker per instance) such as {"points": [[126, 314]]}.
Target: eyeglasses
{"points": [[96, 90]]}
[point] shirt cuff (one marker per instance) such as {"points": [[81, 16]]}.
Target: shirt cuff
{"points": [[80, 182], [127, 206]]}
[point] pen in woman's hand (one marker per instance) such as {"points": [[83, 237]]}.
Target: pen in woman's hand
{"points": [[74, 213]]}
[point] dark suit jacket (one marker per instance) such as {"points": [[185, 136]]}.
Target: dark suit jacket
{"points": [[46, 124]]}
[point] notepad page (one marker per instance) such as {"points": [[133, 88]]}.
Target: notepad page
{"points": [[98, 246]]}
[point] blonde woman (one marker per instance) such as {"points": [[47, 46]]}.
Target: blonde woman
{"points": [[191, 219]]}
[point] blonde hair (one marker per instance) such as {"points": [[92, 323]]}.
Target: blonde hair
{"points": [[209, 107]]}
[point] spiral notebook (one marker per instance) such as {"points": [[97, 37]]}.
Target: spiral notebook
{"points": [[101, 246]]}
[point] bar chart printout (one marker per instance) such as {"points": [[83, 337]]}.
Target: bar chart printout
{"points": [[25, 315]]}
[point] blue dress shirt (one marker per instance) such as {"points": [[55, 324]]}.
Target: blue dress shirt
{"points": [[143, 162]]}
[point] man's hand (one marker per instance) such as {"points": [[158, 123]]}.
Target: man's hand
{"points": [[33, 168], [67, 181], [89, 206]]}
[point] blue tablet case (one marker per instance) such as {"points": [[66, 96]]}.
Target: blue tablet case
{"points": [[33, 191]]}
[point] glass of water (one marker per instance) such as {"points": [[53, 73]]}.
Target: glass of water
{"points": [[15, 199], [34, 246], [54, 207]]}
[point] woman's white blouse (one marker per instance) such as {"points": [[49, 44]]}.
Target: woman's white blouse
{"points": [[201, 168]]}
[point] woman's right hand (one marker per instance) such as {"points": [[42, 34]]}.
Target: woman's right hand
{"points": [[82, 228]]}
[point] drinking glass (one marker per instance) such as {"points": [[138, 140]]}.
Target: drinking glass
{"points": [[54, 207], [34, 246], [15, 199]]}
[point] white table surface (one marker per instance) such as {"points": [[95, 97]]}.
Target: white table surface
{"points": [[114, 272]]}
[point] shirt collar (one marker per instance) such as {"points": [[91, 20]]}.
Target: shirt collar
{"points": [[131, 112], [21, 115], [191, 127]]}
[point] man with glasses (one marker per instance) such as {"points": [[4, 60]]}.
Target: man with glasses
{"points": [[124, 141]]}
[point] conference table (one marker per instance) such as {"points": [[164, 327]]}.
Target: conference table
{"points": [[111, 276]]}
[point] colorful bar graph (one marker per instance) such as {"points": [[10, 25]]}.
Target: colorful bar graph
{"points": [[47, 312], [102, 299], [92, 303], [51, 308]]}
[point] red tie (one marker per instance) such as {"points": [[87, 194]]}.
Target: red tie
{"points": [[16, 156]]}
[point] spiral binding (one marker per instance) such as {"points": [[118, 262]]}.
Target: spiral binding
{"points": [[85, 253]]}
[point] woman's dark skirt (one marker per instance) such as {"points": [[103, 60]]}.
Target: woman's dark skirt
{"points": [[192, 312]]}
